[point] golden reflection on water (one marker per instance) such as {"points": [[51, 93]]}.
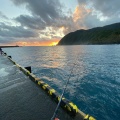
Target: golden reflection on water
{"points": [[61, 57], [56, 57]]}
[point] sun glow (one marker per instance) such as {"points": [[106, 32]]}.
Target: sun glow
{"points": [[37, 43], [53, 43]]}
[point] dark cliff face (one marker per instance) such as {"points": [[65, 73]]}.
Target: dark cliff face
{"points": [[109, 34]]}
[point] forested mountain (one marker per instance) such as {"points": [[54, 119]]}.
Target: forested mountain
{"points": [[109, 34]]}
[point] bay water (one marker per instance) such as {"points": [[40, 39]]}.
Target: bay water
{"points": [[94, 85]]}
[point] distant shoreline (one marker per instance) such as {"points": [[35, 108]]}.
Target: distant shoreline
{"points": [[8, 46]]}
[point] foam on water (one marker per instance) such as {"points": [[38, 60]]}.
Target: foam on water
{"points": [[3, 72]]}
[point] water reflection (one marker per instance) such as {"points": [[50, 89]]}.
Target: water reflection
{"points": [[55, 57]]}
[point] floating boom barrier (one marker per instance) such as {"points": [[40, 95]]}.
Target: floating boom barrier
{"points": [[67, 105]]}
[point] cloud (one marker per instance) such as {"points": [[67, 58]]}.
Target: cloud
{"points": [[31, 22], [89, 13], [82, 18], [15, 31], [44, 14], [46, 9], [4, 39], [105, 7], [52, 15], [79, 16], [3, 16], [10, 32], [47, 19], [108, 8], [49, 13]]}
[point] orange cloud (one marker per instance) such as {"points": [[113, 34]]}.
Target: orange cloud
{"points": [[80, 12], [79, 16]]}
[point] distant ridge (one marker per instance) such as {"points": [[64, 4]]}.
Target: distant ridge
{"points": [[109, 34], [8, 46]]}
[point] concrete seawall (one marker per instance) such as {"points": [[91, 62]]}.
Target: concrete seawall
{"points": [[20, 99]]}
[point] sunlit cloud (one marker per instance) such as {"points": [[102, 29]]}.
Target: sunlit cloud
{"points": [[79, 16], [80, 12]]}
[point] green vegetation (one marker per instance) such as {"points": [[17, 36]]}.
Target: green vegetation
{"points": [[109, 34]]}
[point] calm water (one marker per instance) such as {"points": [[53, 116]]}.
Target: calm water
{"points": [[95, 81]]}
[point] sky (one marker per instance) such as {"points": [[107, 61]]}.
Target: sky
{"points": [[45, 22]]}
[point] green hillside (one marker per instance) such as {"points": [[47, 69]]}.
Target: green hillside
{"points": [[109, 34]]}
